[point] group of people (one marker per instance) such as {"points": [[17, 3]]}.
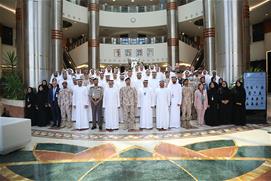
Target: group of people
{"points": [[169, 98]]}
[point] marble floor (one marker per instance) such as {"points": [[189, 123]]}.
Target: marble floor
{"points": [[221, 153]]}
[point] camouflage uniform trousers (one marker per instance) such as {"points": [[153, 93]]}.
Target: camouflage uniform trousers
{"points": [[66, 115], [186, 115], [129, 116]]}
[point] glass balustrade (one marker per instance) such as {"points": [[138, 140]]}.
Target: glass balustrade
{"points": [[132, 8], [73, 43]]}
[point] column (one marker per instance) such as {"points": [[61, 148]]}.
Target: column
{"points": [[209, 34], [57, 35], [172, 35], [37, 41], [20, 20], [228, 39], [0, 54], [93, 34], [267, 35], [246, 35]]}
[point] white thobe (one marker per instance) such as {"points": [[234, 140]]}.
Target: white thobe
{"points": [[175, 110], [145, 103], [119, 84], [89, 107], [154, 83], [137, 84], [80, 100], [162, 102], [111, 103], [73, 109], [102, 83]]}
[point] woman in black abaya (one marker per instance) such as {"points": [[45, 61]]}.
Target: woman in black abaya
{"points": [[211, 115], [225, 104], [41, 105], [30, 105], [239, 100]]}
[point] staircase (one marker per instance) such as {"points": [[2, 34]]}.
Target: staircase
{"points": [[198, 61], [68, 61]]}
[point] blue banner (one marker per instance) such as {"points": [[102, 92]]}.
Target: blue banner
{"points": [[255, 86]]}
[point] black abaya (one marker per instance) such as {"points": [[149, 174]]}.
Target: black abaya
{"points": [[239, 111], [225, 113], [30, 107], [211, 114], [42, 100]]}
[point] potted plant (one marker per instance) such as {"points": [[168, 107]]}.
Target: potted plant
{"points": [[13, 88]]}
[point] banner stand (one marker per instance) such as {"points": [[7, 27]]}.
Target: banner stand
{"points": [[256, 97]]}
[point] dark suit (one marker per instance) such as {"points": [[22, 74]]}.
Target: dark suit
{"points": [[52, 99]]}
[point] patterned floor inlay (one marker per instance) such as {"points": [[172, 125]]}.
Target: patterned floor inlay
{"points": [[208, 160], [145, 135]]}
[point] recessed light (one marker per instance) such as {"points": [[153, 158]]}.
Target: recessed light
{"points": [[266, 14], [132, 1], [182, 33]]}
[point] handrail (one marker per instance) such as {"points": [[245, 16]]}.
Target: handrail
{"points": [[67, 60]]}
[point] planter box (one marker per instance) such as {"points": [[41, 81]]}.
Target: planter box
{"points": [[15, 107]]}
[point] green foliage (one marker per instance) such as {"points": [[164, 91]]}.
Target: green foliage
{"points": [[13, 84], [10, 59], [13, 87], [255, 69]]}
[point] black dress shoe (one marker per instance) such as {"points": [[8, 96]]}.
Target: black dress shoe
{"points": [[93, 127]]}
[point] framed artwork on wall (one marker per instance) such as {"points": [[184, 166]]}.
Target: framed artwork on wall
{"points": [[150, 52], [117, 53]]}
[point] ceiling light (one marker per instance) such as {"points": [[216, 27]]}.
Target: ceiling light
{"points": [[266, 14], [182, 33], [7, 8], [65, 28], [132, 1], [258, 5]]}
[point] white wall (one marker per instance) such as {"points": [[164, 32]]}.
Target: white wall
{"points": [[190, 11], [257, 51], [75, 12], [133, 20], [108, 53], [80, 54], [186, 53]]}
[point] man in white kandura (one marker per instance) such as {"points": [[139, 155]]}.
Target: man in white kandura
{"points": [[146, 104], [176, 101], [80, 103], [162, 102], [111, 103]]}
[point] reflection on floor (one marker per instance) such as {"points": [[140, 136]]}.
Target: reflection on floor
{"points": [[239, 156]]}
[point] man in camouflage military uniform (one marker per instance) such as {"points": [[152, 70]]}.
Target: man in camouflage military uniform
{"points": [[65, 104], [96, 98], [128, 103], [187, 102]]}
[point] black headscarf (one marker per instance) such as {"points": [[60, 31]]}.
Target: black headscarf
{"points": [[30, 96]]}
